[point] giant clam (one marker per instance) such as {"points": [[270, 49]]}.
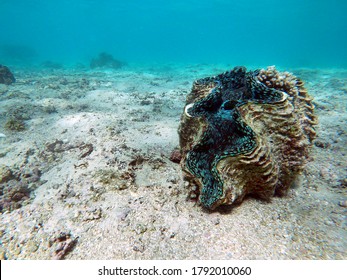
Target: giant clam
{"points": [[245, 133]]}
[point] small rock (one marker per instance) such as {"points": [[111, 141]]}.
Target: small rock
{"points": [[145, 102], [63, 81], [295, 238], [2, 154], [140, 228], [172, 179], [76, 215], [189, 238], [193, 195], [329, 223], [176, 156], [139, 247], [216, 221], [92, 214], [2, 254], [321, 144], [32, 246], [63, 244], [17, 251], [5, 174], [344, 182], [123, 213], [323, 172], [343, 203]]}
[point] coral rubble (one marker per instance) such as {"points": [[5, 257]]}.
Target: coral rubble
{"points": [[15, 124], [16, 186], [62, 244], [245, 133], [6, 76]]}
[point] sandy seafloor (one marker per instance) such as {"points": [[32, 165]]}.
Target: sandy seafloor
{"points": [[94, 160]]}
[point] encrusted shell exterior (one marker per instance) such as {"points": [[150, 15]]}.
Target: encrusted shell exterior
{"points": [[283, 134]]}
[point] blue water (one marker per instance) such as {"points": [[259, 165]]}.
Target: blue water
{"points": [[297, 33]]}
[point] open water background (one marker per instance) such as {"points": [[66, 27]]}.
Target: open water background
{"points": [[297, 33]]}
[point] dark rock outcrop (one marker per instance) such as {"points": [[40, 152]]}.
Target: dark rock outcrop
{"points": [[6, 76], [105, 60]]}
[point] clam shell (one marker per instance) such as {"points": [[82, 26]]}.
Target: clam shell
{"points": [[281, 130]]}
